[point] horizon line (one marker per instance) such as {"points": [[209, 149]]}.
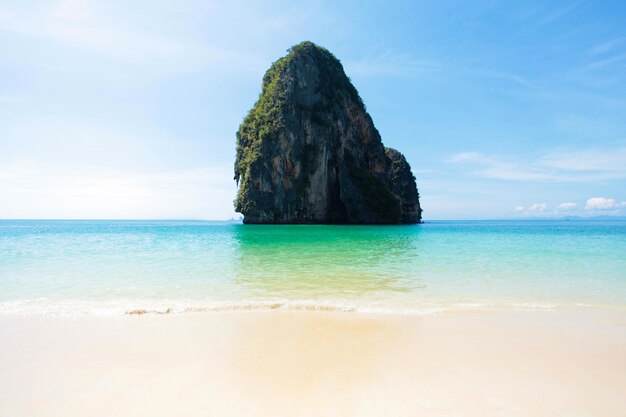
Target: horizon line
{"points": [[599, 217]]}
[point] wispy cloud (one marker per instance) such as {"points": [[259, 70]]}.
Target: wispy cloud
{"points": [[7, 98], [607, 46], [573, 166], [391, 64], [494, 167], [97, 29], [610, 161], [556, 14], [606, 62], [29, 189]]}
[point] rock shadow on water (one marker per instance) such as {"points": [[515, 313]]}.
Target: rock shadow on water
{"points": [[298, 262]]}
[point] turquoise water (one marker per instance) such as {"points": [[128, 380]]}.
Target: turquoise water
{"points": [[109, 267]]}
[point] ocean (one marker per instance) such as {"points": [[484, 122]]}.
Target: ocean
{"points": [[113, 267]]}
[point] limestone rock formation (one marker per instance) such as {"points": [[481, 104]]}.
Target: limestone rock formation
{"points": [[308, 151]]}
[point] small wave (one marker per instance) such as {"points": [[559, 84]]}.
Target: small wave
{"points": [[271, 305], [535, 306], [141, 311], [44, 306], [292, 306]]}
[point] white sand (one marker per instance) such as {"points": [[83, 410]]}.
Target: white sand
{"points": [[280, 363]]}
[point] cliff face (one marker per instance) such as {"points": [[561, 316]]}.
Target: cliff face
{"points": [[308, 152]]}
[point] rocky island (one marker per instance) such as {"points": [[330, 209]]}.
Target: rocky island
{"points": [[308, 151]]}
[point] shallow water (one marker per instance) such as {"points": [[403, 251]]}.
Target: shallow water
{"points": [[110, 267]]}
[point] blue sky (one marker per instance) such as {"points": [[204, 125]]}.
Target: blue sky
{"points": [[128, 109]]}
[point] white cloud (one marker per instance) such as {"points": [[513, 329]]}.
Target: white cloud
{"points": [[608, 206], [470, 157], [602, 203], [538, 207], [535, 210], [567, 206]]}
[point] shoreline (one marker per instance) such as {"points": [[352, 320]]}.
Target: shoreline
{"points": [[82, 308], [281, 362]]}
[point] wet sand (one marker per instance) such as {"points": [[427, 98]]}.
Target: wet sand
{"points": [[285, 363]]}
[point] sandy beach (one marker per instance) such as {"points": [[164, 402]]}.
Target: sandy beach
{"points": [[284, 363]]}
